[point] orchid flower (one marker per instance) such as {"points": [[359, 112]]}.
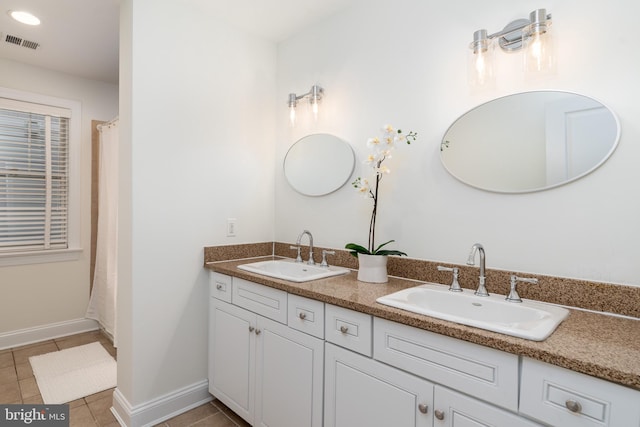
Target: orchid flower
{"points": [[382, 151]]}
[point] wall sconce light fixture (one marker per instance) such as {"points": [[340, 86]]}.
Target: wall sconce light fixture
{"points": [[314, 95], [533, 35]]}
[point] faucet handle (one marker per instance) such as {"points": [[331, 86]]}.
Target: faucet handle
{"points": [[455, 286], [513, 293], [324, 257], [298, 258]]}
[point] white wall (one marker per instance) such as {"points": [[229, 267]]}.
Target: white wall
{"points": [[404, 62], [197, 103], [34, 295]]}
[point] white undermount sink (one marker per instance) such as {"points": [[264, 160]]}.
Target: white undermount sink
{"points": [[528, 319], [293, 271]]}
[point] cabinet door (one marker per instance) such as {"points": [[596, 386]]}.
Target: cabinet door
{"points": [[231, 357], [363, 392], [288, 377], [453, 409]]}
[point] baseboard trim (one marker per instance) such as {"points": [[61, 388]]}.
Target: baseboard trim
{"points": [[46, 332], [162, 408]]}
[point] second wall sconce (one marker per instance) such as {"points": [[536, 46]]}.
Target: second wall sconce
{"points": [[314, 95], [533, 35]]}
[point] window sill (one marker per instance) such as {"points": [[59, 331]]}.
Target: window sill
{"points": [[40, 257]]}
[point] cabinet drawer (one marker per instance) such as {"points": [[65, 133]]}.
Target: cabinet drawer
{"points": [[563, 397], [263, 300], [349, 329], [479, 371], [220, 286], [306, 315]]}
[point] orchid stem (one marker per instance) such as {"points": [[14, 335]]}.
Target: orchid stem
{"points": [[372, 224]]}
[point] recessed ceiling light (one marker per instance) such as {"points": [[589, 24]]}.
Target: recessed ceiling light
{"points": [[24, 17]]}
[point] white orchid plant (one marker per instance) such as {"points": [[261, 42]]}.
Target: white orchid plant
{"points": [[382, 149]]}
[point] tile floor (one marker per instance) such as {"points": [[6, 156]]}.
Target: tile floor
{"points": [[18, 385]]}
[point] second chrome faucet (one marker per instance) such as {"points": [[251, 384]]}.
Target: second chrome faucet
{"points": [[482, 290], [299, 259]]}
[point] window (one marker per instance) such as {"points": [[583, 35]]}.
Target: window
{"points": [[37, 177]]}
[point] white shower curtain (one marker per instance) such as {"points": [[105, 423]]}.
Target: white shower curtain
{"points": [[102, 305]]}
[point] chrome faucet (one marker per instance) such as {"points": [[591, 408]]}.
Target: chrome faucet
{"points": [[307, 232], [482, 290]]}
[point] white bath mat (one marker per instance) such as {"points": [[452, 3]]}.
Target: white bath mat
{"points": [[76, 372]]}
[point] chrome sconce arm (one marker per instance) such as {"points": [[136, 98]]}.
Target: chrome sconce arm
{"points": [[513, 35], [531, 34]]}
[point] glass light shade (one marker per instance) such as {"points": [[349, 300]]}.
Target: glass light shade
{"points": [[314, 109], [293, 102], [315, 96], [539, 52], [480, 62], [292, 115]]}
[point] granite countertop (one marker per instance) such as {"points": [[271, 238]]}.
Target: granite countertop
{"points": [[600, 345]]}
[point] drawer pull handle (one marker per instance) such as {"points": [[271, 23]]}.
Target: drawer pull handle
{"points": [[219, 287], [344, 329], [251, 328], [258, 331], [573, 406], [439, 415], [302, 315], [423, 408]]}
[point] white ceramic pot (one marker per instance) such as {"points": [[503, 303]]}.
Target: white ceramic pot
{"points": [[372, 268]]}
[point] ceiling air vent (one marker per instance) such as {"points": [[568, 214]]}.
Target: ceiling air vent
{"points": [[18, 41]]}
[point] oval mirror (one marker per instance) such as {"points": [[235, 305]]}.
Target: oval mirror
{"points": [[319, 164], [529, 141]]}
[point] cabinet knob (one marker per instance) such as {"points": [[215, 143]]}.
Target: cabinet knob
{"points": [[439, 415], [573, 406], [344, 329], [423, 408], [251, 328], [258, 331], [219, 287], [302, 315]]}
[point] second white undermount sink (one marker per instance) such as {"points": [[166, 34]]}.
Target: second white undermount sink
{"points": [[293, 271], [528, 319]]}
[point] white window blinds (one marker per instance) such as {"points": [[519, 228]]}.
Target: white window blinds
{"points": [[34, 176]]}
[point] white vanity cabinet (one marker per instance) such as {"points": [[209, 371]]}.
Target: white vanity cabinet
{"points": [[265, 371], [281, 360]]}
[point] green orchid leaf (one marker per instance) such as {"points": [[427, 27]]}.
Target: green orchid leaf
{"points": [[357, 249], [390, 252], [381, 246]]}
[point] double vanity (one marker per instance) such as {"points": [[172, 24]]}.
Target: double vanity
{"points": [[326, 352], [296, 345]]}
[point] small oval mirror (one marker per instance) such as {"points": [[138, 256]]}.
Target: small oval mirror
{"points": [[319, 164], [530, 141]]}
